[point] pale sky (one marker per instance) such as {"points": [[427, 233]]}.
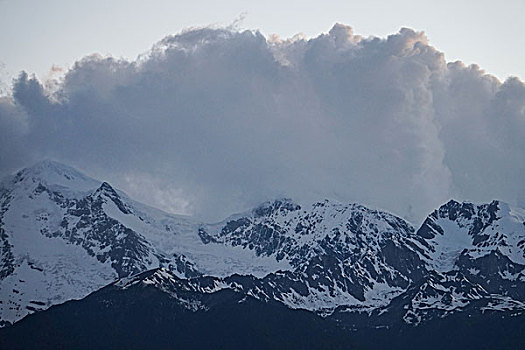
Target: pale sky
{"points": [[36, 34]]}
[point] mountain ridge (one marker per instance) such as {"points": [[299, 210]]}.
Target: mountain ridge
{"points": [[330, 258], [157, 309]]}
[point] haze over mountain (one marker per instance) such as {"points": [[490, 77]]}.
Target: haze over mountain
{"points": [[213, 121]]}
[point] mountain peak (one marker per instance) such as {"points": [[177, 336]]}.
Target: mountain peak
{"points": [[475, 229], [153, 276], [283, 204], [106, 188], [49, 165], [51, 172], [107, 191]]}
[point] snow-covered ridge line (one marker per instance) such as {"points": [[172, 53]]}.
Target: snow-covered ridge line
{"points": [[64, 235]]}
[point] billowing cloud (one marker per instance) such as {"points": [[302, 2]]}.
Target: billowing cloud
{"points": [[212, 121]]}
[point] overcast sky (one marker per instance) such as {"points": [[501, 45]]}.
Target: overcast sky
{"points": [[216, 119]]}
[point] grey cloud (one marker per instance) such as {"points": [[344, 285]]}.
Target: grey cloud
{"points": [[212, 121], [13, 128]]}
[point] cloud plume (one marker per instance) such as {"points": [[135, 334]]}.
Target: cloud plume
{"points": [[213, 121]]}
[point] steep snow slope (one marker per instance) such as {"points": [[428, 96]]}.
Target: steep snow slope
{"points": [[485, 242], [38, 270], [478, 229]]}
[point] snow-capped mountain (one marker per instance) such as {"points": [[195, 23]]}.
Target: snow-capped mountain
{"points": [[339, 254], [64, 235], [475, 230], [486, 243]]}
